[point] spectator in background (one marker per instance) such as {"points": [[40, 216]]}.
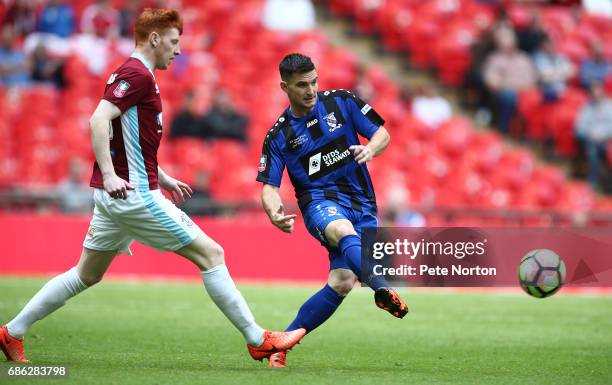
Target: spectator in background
{"points": [[127, 17], [429, 107], [398, 213], [201, 202], [289, 15], [507, 71], [531, 37], [596, 68], [594, 130], [363, 85], [554, 71], [57, 18], [223, 120], [73, 194], [100, 19], [14, 65], [46, 69], [21, 17], [186, 122]]}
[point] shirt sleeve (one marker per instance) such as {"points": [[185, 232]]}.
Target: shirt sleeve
{"points": [[271, 163], [127, 89], [364, 117]]}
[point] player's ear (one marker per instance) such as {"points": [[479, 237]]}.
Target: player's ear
{"points": [[283, 86], [154, 39]]}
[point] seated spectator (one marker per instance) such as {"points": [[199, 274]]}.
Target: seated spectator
{"points": [[507, 71], [186, 122], [553, 69], [14, 65], [21, 17], [201, 202], [73, 194], [127, 17], [57, 18], [46, 69], [100, 19], [531, 37], [289, 15], [596, 68], [594, 130], [429, 107], [363, 85], [398, 212], [223, 120]]}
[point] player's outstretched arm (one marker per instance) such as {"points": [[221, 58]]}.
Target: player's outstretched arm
{"points": [[180, 191], [376, 146], [101, 129], [273, 205]]}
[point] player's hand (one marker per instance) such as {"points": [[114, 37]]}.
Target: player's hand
{"points": [[282, 221], [179, 191], [362, 153], [116, 187]]}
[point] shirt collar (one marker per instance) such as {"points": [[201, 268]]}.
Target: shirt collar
{"points": [[143, 60]]}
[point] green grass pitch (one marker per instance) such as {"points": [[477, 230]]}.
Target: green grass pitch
{"points": [[123, 332]]}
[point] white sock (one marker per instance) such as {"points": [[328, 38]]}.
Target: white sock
{"points": [[49, 298], [228, 299]]}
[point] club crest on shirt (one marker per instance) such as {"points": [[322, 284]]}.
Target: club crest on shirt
{"points": [[121, 89], [263, 161], [332, 122]]}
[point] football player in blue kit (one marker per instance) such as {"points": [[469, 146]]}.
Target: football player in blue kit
{"points": [[316, 140]]}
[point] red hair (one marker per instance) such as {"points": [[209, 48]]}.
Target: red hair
{"points": [[156, 20]]}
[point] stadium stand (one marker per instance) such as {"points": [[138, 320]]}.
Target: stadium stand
{"points": [[456, 175]]}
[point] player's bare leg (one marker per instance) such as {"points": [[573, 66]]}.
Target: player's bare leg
{"points": [[208, 255], [53, 295], [341, 233]]}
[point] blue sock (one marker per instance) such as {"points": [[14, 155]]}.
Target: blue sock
{"points": [[316, 310], [350, 247]]}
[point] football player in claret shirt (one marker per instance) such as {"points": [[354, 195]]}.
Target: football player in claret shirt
{"points": [[316, 140], [126, 129]]}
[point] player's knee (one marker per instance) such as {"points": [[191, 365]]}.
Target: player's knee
{"points": [[214, 255], [90, 279], [340, 230], [342, 285]]}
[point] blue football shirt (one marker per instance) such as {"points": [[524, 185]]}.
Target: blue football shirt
{"points": [[315, 151]]}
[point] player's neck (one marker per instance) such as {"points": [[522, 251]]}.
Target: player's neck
{"points": [[145, 56], [297, 112]]}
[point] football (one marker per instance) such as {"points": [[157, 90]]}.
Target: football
{"points": [[541, 273]]}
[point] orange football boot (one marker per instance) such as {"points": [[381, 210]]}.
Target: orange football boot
{"points": [[275, 342], [278, 360], [387, 299], [12, 347]]}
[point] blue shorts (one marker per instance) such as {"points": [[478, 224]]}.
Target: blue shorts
{"points": [[319, 214]]}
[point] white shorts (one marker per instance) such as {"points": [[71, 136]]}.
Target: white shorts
{"points": [[145, 216]]}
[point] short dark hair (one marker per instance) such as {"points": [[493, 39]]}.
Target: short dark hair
{"points": [[295, 63]]}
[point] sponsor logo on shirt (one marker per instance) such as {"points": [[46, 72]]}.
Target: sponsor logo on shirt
{"points": [[314, 164], [111, 79], [121, 89], [332, 122], [327, 158], [91, 231], [312, 122], [263, 161]]}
